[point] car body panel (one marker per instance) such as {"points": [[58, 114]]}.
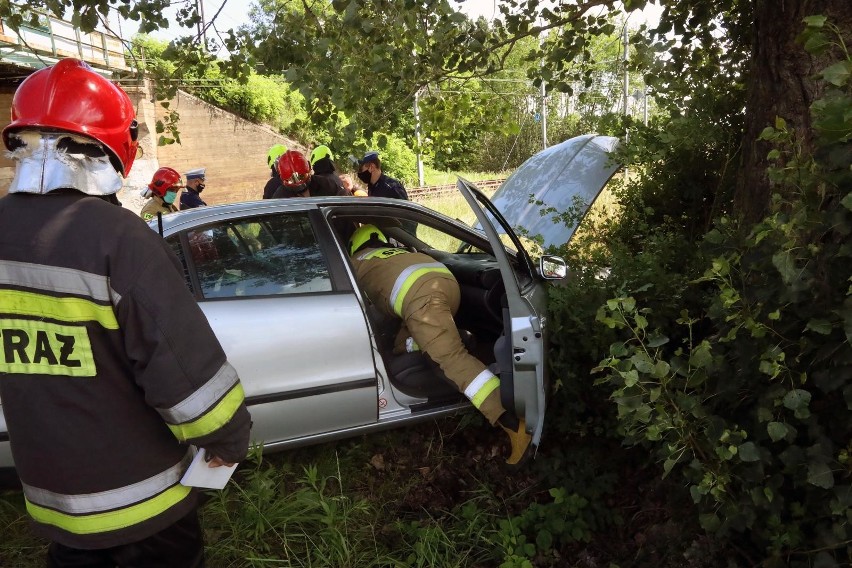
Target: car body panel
{"points": [[308, 351], [294, 365], [566, 177]]}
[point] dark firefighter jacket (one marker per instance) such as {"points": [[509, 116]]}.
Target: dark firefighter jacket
{"points": [[108, 369]]}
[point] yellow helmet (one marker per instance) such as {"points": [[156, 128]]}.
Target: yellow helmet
{"points": [[319, 153], [274, 153], [364, 234]]}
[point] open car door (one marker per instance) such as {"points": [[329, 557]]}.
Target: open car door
{"points": [[520, 352], [547, 196]]}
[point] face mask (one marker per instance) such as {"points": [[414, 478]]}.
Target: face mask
{"points": [[199, 188], [365, 176], [169, 197]]}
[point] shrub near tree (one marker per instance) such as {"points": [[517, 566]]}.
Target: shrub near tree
{"points": [[728, 356]]}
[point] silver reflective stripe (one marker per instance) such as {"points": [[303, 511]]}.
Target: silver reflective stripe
{"points": [[112, 499], [399, 285], [55, 279], [478, 383], [203, 399]]}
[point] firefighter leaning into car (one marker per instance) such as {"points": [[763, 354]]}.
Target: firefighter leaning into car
{"points": [[162, 191], [423, 293], [110, 369]]}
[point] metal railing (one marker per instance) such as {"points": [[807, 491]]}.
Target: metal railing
{"points": [[439, 191], [56, 38]]}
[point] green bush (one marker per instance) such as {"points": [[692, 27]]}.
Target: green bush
{"points": [[727, 359]]}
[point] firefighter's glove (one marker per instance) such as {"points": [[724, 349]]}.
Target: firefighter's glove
{"points": [[521, 444]]}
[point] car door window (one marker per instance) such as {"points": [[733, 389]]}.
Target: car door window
{"points": [[262, 256]]}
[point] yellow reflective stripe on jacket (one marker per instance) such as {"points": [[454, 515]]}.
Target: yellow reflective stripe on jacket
{"points": [[381, 253], [213, 420], [35, 347], [479, 388], [200, 401], [59, 280], [406, 280], [75, 310], [112, 509], [111, 499], [111, 520]]}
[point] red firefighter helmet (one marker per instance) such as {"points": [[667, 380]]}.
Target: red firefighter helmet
{"points": [[294, 169], [163, 179], [71, 97]]}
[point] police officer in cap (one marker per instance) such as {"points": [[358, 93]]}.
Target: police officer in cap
{"points": [[190, 198]]}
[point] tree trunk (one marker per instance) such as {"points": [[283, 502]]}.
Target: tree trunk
{"points": [[780, 84]]}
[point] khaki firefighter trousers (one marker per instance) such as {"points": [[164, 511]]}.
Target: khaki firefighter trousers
{"points": [[427, 316]]}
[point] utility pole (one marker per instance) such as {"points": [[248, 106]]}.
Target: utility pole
{"points": [[626, 73], [543, 117], [417, 136], [202, 25]]}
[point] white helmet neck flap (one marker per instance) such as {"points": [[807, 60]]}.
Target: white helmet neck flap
{"points": [[46, 161]]}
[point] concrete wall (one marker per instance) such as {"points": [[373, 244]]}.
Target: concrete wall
{"points": [[232, 150]]}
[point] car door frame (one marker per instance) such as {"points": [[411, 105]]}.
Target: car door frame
{"points": [[524, 387]]}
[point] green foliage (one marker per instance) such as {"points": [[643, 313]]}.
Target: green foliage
{"points": [[296, 520], [180, 65], [747, 394]]}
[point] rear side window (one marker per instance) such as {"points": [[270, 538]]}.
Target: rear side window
{"points": [[263, 256]]}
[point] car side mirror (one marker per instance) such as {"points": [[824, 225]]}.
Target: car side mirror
{"points": [[552, 267]]}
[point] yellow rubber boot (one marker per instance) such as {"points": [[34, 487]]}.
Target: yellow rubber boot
{"points": [[521, 443]]}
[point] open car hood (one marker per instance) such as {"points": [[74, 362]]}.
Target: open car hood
{"points": [[550, 193]]}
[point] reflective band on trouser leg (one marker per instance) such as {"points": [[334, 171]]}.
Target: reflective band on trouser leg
{"points": [[218, 416], [479, 388], [113, 520], [406, 280]]}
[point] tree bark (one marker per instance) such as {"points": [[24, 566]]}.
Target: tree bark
{"points": [[781, 83]]}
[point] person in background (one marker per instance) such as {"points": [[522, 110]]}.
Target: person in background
{"points": [[295, 173], [349, 186], [190, 198], [379, 184], [111, 369], [424, 294], [324, 180], [162, 191], [274, 180]]}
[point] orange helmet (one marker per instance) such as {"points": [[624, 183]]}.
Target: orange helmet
{"points": [[71, 97], [163, 179], [294, 169]]}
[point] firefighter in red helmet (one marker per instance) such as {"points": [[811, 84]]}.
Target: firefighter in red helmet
{"points": [[295, 172], [115, 370], [162, 191]]}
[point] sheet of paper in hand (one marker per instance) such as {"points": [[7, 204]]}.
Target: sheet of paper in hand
{"points": [[200, 474]]}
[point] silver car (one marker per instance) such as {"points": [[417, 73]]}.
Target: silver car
{"points": [[274, 280]]}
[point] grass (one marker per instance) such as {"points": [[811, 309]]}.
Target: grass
{"points": [[435, 177], [430, 495]]}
